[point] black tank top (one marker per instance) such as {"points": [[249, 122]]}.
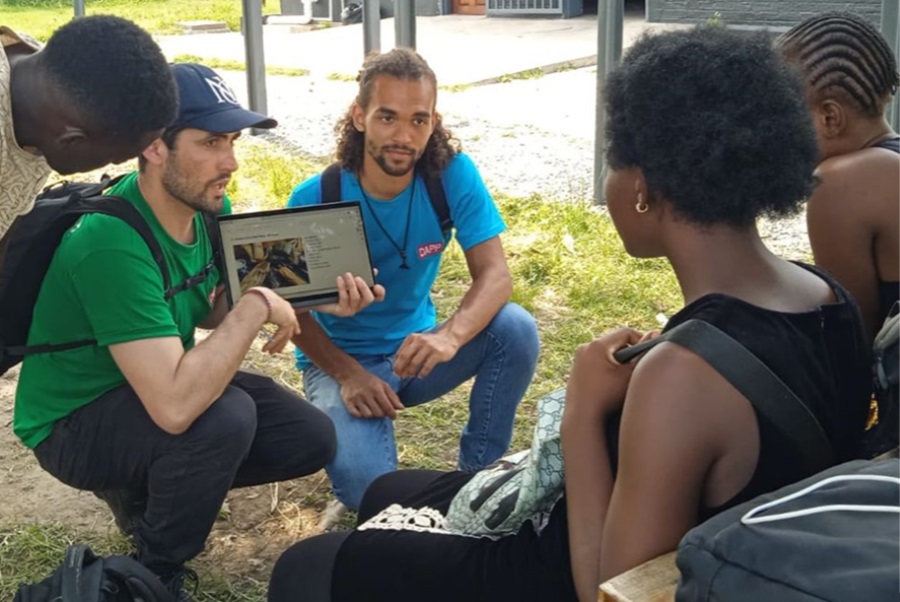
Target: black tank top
{"points": [[891, 144], [888, 291], [888, 294], [821, 355]]}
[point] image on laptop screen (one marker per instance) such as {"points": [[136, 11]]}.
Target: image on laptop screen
{"points": [[297, 252]]}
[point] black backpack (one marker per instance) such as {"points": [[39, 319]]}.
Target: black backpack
{"points": [[331, 193], [832, 537], [28, 247], [86, 577]]}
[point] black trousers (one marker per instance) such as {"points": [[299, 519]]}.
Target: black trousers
{"points": [[256, 432], [412, 566]]}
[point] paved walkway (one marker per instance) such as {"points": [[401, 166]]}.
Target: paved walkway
{"points": [[461, 49]]}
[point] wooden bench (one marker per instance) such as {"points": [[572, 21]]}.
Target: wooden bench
{"points": [[653, 581]]}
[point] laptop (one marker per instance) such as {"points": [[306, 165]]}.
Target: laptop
{"points": [[297, 252]]}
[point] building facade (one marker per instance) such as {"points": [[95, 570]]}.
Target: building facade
{"points": [[756, 13]]}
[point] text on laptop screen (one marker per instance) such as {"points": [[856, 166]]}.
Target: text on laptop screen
{"points": [[297, 253]]}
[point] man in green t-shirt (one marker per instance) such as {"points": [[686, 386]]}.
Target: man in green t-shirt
{"points": [[156, 425]]}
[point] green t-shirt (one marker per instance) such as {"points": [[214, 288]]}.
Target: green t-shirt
{"points": [[103, 284]]}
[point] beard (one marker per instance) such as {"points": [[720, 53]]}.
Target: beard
{"points": [[379, 155], [196, 195]]}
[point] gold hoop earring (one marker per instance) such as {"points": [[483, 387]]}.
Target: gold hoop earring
{"points": [[641, 206]]}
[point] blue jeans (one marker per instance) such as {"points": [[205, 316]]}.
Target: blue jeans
{"points": [[502, 359]]}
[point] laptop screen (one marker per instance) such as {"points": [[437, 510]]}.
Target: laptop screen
{"points": [[297, 252]]}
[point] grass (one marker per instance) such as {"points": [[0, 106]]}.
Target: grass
{"points": [[520, 75], [341, 77], [29, 553], [569, 270], [39, 18], [230, 65], [453, 88]]}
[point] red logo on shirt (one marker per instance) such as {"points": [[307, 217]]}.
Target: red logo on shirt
{"points": [[430, 249]]}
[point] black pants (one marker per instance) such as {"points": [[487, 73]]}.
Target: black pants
{"points": [[414, 566], [256, 432]]}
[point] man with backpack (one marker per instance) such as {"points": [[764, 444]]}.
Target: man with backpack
{"points": [[97, 93], [415, 188], [157, 425]]}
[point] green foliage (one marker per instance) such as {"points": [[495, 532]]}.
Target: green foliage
{"points": [[229, 65], [213, 63], [30, 553], [527, 74], [341, 77], [454, 88], [289, 71], [266, 177], [39, 18], [716, 20]]}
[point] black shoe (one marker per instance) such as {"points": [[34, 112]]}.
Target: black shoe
{"points": [[174, 583], [127, 507]]}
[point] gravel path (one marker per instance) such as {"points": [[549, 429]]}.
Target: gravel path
{"points": [[528, 137]]}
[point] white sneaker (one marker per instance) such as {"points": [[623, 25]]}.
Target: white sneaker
{"points": [[334, 512]]}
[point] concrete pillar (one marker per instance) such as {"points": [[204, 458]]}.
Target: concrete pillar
{"points": [[610, 22], [405, 24], [256, 62], [371, 26]]}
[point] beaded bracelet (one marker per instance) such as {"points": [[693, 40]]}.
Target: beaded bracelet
{"points": [[265, 299]]}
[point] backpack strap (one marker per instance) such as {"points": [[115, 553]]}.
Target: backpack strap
{"points": [[122, 209], [141, 582], [128, 213], [438, 197], [85, 190], [213, 233], [434, 185], [885, 372], [331, 184], [215, 240], [768, 394], [78, 582]]}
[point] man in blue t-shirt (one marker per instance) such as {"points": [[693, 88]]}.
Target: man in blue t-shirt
{"points": [[362, 370]]}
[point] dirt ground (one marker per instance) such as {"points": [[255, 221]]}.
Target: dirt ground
{"points": [[259, 524]]}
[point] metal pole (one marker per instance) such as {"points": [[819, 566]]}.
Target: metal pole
{"points": [[610, 22], [79, 8], [405, 24], [371, 26], [256, 62], [890, 12]]}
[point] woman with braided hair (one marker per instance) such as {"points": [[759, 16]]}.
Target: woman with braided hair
{"points": [[854, 213]]}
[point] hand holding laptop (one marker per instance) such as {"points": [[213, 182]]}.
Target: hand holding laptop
{"points": [[354, 295]]}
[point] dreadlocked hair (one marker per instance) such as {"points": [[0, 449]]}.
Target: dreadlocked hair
{"points": [[843, 54], [404, 64]]}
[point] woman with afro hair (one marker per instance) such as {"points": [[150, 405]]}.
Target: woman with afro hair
{"points": [[707, 131]]}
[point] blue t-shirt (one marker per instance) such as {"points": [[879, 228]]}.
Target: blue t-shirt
{"points": [[407, 307]]}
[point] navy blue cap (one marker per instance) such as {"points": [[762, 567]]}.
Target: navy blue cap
{"points": [[205, 102]]}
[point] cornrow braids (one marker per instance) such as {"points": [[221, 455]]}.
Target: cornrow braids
{"points": [[843, 54]]}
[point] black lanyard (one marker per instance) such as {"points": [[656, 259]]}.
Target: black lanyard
{"points": [[400, 249]]}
